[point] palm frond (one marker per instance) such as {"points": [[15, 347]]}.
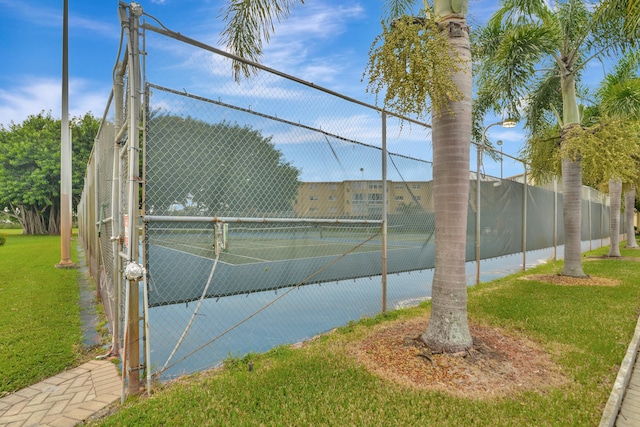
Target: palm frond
{"points": [[622, 99], [393, 9], [619, 93], [519, 12], [626, 10], [508, 58], [249, 24], [546, 96]]}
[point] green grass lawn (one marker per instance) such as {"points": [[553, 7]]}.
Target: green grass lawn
{"points": [[585, 329], [40, 331]]}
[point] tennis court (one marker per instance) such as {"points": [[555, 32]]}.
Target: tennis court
{"points": [[257, 257]]}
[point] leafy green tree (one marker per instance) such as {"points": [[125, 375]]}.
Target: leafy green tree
{"points": [[423, 64], [532, 54], [220, 169], [30, 169]]}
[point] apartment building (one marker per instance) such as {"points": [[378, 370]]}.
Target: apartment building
{"points": [[361, 198]]}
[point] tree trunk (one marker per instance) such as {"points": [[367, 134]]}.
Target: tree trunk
{"points": [[53, 227], [615, 194], [572, 212], [448, 328], [31, 221], [629, 211], [571, 187]]}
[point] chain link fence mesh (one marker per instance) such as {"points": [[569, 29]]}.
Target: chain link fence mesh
{"points": [[266, 203]]}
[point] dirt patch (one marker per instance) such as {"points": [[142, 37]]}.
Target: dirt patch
{"points": [[558, 279], [499, 364]]}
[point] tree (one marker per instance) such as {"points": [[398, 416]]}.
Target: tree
{"points": [[408, 90], [235, 172], [619, 96], [30, 169], [609, 149], [532, 54]]}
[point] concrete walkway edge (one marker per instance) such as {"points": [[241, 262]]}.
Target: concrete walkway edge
{"points": [[612, 407]]}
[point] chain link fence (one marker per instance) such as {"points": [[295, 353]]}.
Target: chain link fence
{"points": [[271, 210]]}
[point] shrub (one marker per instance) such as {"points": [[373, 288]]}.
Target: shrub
{"points": [[3, 239]]}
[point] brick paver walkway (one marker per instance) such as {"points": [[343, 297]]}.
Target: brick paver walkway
{"points": [[65, 399]]}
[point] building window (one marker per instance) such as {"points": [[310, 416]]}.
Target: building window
{"points": [[399, 186], [358, 185], [313, 186], [399, 198], [375, 185], [333, 210], [312, 198], [333, 186], [415, 186], [332, 198], [313, 209], [375, 198]]}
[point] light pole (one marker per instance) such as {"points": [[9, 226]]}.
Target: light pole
{"points": [[499, 142], [507, 124], [65, 152]]}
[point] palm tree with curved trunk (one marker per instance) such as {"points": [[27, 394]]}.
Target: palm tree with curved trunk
{"points": [[532, 54], [249, 23]]}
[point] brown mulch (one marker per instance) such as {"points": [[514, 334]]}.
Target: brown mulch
{"points": [[499, 364], [558, 279]]}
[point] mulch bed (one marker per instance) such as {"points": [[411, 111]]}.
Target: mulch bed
{"points": [[499, 364]]}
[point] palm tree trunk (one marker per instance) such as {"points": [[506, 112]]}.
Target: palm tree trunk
{"points": [[572, 213], [615, 194], [629, 209], [571, 186], [448, 328]]}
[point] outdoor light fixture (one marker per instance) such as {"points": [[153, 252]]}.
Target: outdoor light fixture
{"points": [[509, 123]]}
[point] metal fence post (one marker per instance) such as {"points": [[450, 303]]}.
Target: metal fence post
{"points": [[555, 218], [524, 221], [133, 332], [384, 212], [115, 208], [478, 166], [590, 225]]}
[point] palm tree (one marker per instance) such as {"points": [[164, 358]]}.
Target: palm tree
{"points": [[532, 55], [619, 96], [615, 196], [248, 23], [629, 209], [448, 328]]}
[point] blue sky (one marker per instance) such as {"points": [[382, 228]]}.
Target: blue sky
{"points": [[323, 41]]}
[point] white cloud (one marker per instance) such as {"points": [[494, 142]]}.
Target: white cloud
{"points": [[304, 34], [302, 46], [52, 17], [103, 29], [39, 15], [44, 94]]}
